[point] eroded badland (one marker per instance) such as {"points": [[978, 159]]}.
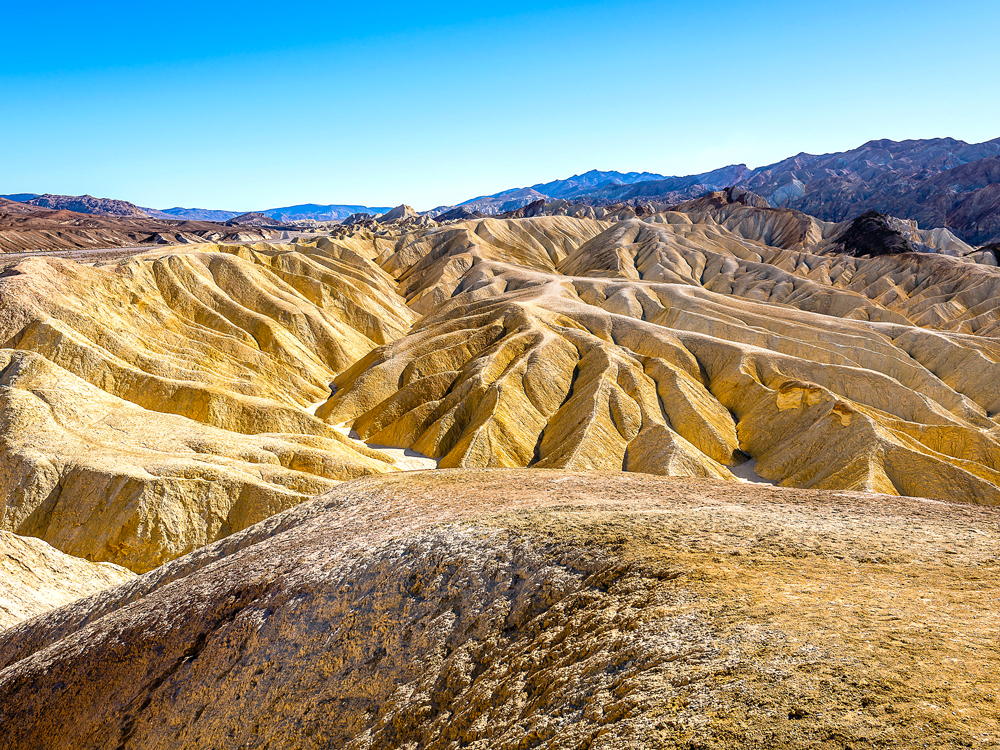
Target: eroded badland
{"points": [[168, 419]]}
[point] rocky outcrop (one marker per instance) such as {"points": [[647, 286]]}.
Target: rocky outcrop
{"points": [[535, 208], [254, 219], [872, 235], [399, 213], [522, 609], [459, 213]]}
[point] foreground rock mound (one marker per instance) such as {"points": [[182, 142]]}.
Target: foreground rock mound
{"points": [[536, 609]]}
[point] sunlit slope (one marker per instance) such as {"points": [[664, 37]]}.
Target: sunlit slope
{"points": [[155, 405], [233, 339], [36, 578], [821, 367]]}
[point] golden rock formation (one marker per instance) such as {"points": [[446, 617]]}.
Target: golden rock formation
{"points": [[159, 403], [510, 609], [155, 405], [680, 348]]}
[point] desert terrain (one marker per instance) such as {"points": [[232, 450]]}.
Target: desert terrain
{"points": [[704, 474]]}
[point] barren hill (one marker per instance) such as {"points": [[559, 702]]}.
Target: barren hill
{"points": [[25, 228], [88, 204]]}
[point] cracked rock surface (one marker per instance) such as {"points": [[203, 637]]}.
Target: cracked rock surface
{"points": [[548, 609]]}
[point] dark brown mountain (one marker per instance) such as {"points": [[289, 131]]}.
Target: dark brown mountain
{"points": [[88, 204], [965, 199], [940, 182], [254, 219], [26, 228], [459, 213]]}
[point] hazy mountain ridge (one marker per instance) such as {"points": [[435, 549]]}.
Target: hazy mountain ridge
{"points": [[191, 214], [580, 184], [316, 211], [674, 189], [498, 203], [939, 182], [87, 204]]}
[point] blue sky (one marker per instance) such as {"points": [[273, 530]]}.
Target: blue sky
{"points": [[253, 105]]}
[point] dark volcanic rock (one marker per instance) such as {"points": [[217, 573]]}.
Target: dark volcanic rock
{"points": [[254, 219], [727, 197], [873, 234], [993, 248], [535, 208], [459, 213]]}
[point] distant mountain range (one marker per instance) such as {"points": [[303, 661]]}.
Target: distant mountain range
{"points": [[575, 186], [316, 211], [87, 204], [939, 182]]}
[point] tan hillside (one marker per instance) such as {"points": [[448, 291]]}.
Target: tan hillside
{"points": [[37, 577], [168, 406], [537, 609], [157, 403]]}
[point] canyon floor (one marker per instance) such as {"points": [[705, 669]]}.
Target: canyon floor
{"points": [[222, 448]]}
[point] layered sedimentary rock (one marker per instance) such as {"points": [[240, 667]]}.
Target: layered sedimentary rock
{"points": [[157, 404], [152, 406], [104, 479], [536, 609], [36, 577], [682, 347]]}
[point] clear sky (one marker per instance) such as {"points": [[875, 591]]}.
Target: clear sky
{"points": [[252, 105]]}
